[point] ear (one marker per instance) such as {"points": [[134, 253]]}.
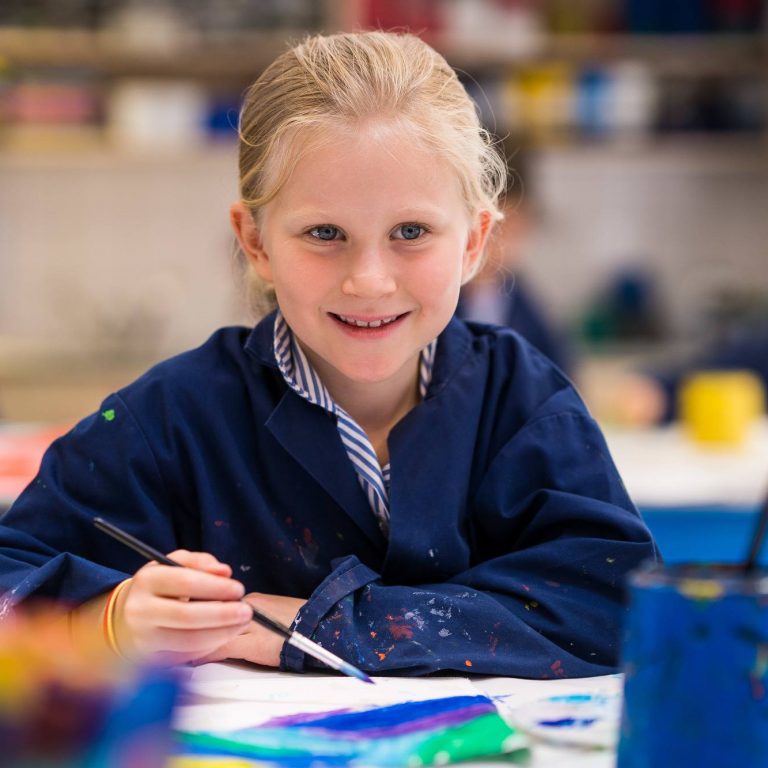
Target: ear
{"points": [[249, 237], [476, 240]]}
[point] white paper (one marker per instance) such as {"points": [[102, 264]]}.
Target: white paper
{"points": [[224, 696], [514, 691]]}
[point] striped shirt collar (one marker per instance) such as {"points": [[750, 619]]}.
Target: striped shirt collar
{"points": [[303, 379]]}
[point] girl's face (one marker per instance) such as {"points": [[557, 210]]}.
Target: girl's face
{"points": [[366, 245]]}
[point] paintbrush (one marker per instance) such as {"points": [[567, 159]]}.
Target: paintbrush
{"points": [[293, 638], [750, 564]]}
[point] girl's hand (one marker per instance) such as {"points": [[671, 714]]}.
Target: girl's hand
{"points": [[177, 615], [255, 643]]}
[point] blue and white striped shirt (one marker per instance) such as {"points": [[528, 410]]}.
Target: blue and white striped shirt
{"points": [[302, 379]]}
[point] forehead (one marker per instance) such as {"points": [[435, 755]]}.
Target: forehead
{"points": [[370, 161]]}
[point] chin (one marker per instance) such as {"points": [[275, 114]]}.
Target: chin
{"points": [[367, 374], [368, 377]]}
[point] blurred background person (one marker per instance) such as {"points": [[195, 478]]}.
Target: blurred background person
{"points": [[652, 396], [498, 294]]}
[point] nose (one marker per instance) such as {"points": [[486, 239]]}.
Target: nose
{"points": [[368, 276]]}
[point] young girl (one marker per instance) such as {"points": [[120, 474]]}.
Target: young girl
{"points": [[414, 493]]}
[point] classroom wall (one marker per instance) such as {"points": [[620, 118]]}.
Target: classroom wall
{"points": [[131, 255], [694, 216], [117, 255]]}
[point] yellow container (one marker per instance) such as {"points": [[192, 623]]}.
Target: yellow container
{"points": [[719, 407]]}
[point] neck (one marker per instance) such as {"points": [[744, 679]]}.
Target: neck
{"points": [[378, 407], [375, 406]]}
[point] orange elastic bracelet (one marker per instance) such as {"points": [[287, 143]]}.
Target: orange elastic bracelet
{"points": [[108, 620]]}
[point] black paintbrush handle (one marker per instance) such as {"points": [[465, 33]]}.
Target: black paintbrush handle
{"points": [[294, 638], [150, 553], [758, 537]]}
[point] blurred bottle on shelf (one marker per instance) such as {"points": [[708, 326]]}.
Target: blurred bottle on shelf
{"points": [[585, 17], [80, 14], [155, 27], [49, 109], [510, 28], [711, 104], [545, 102], [626, 308], [591, 108], [738, 15], [160, 115], [632, 99], [425, 17], [693, 16]]}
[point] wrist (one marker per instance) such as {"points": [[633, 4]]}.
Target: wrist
{"points": [[112, 609]]}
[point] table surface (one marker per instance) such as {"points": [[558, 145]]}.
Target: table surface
{"points": [[663, 467], [235, 694]]}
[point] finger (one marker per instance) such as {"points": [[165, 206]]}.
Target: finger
{"points": [[201, 561], [192, 642], [279, 607], [169, 581], [203, 614], [249, 646], [220, 654]]}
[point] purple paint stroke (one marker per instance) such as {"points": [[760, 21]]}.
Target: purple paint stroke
{"points": [[302, 717]]}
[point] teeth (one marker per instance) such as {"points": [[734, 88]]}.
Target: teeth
{"points": [[364, 324]]}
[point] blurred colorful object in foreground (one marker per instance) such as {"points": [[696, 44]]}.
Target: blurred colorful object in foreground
{"points": [[76, 705]]}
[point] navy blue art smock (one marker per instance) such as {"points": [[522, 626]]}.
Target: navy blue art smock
{"points": [[511, 531]]}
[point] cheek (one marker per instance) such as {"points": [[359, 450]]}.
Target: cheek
{"points": [[300, 280], [440, 277]]}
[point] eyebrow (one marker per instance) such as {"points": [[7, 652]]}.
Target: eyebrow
{"points": [[406, 213]]}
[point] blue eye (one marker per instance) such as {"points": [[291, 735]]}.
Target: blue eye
{"points": [[409, 231], [324, 232]]}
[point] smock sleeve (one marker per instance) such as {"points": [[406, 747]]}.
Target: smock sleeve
{"points": [[552, 535], [49, 546]]}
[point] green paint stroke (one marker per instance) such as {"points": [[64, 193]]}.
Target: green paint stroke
{"points": [[486, 736], [109, 415], [482, 737]]}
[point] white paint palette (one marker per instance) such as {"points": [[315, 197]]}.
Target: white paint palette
{"points": [[583, 719]]}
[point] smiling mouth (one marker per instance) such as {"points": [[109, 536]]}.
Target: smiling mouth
{"points": [[357, 323]]}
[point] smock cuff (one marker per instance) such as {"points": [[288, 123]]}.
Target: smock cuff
{"points": [[348, 575]]}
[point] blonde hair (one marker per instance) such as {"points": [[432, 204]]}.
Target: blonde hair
{"points": [[339, 81]]}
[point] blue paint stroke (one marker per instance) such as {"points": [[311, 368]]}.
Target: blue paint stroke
{"points": [[394, 720], [568, 722], [577, 698]]}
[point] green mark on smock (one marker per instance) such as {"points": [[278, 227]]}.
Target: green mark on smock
{"points": [[109, 415]]}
